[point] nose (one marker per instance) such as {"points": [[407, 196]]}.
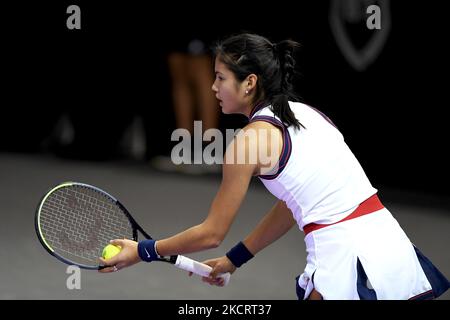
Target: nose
{"points": [[214, 88]]}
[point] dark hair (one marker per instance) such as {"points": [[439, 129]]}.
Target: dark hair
{"points": [[274, 65]]}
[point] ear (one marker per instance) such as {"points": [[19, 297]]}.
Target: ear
{"points": [[250, 82]]}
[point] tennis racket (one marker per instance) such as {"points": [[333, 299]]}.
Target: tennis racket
{"points": [[75, 221]]}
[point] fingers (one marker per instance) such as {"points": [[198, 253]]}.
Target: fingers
{"points": [[112, 267], [109, 262], [108, 269], [214, 273], [220, 282], [215, 279], [118, 242], [213, 264], [119, 261], [210, 262], [219, 266], [214, 276], [112, 261]]}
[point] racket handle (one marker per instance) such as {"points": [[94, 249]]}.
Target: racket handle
{"points": [[198, 268]]}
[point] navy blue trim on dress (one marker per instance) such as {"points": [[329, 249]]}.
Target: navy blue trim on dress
{"points": [[299, 290], [364, 292], [287, 145], [438, 281], [259, 105], [324, 116], [427, 295]]}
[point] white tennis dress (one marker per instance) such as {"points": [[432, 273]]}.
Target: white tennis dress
{"points": [[366, 256]]}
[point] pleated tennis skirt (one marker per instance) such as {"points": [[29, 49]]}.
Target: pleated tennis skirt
{"points": [[368, 257]]}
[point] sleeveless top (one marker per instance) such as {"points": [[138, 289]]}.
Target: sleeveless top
{"points": [[317, 175]]}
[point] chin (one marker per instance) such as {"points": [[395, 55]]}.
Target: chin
{"points": [[224, 110]]}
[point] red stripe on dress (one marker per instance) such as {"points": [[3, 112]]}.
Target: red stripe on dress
{"points": [[369, 205]]}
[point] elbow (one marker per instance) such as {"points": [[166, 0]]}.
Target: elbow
{"points": [[214, 241], [212, 235]]}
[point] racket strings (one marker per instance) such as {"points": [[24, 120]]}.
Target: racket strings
{"points": [[78, 222]]}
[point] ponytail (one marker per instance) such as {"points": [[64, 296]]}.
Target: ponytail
{"points": [[280, 107], [279, 101]]}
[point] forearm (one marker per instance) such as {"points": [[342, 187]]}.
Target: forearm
{"points": [[196, 238], [274, 225]]}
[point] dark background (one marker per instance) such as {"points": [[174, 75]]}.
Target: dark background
{"points": [[392, 114]]}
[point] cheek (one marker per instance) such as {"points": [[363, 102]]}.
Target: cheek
{"points": [[229, 95], [228, 102], [225, 95]]}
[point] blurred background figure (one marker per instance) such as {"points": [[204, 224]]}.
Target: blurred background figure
{"points": [[191, 70]]}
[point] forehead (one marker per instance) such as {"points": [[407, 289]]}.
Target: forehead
{"points": [[219, 66]]}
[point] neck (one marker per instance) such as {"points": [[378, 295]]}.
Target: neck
{"points": [[248, 111], [253, 109]]}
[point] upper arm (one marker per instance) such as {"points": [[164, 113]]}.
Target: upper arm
{"points": [[236, 177], [242, 160]]}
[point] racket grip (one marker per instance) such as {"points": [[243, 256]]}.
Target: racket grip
{"points": [[198, 268]]}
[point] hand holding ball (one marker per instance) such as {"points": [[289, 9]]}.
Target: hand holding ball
{"points": [[110, 251], [112, 261]]}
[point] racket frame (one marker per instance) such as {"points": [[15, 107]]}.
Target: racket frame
{"points": [[179, 261], [134, 225]]}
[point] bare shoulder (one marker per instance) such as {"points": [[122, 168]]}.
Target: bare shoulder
{"points": [[258, 146], [259, 124]]}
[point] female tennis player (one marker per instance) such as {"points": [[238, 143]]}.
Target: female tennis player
{"points": [[355, 248]]}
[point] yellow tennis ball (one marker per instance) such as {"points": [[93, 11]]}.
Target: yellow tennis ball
{"points": [[110, 251]]}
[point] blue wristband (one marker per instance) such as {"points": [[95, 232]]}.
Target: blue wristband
{"points": [[147, 250], [239, 254]]}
